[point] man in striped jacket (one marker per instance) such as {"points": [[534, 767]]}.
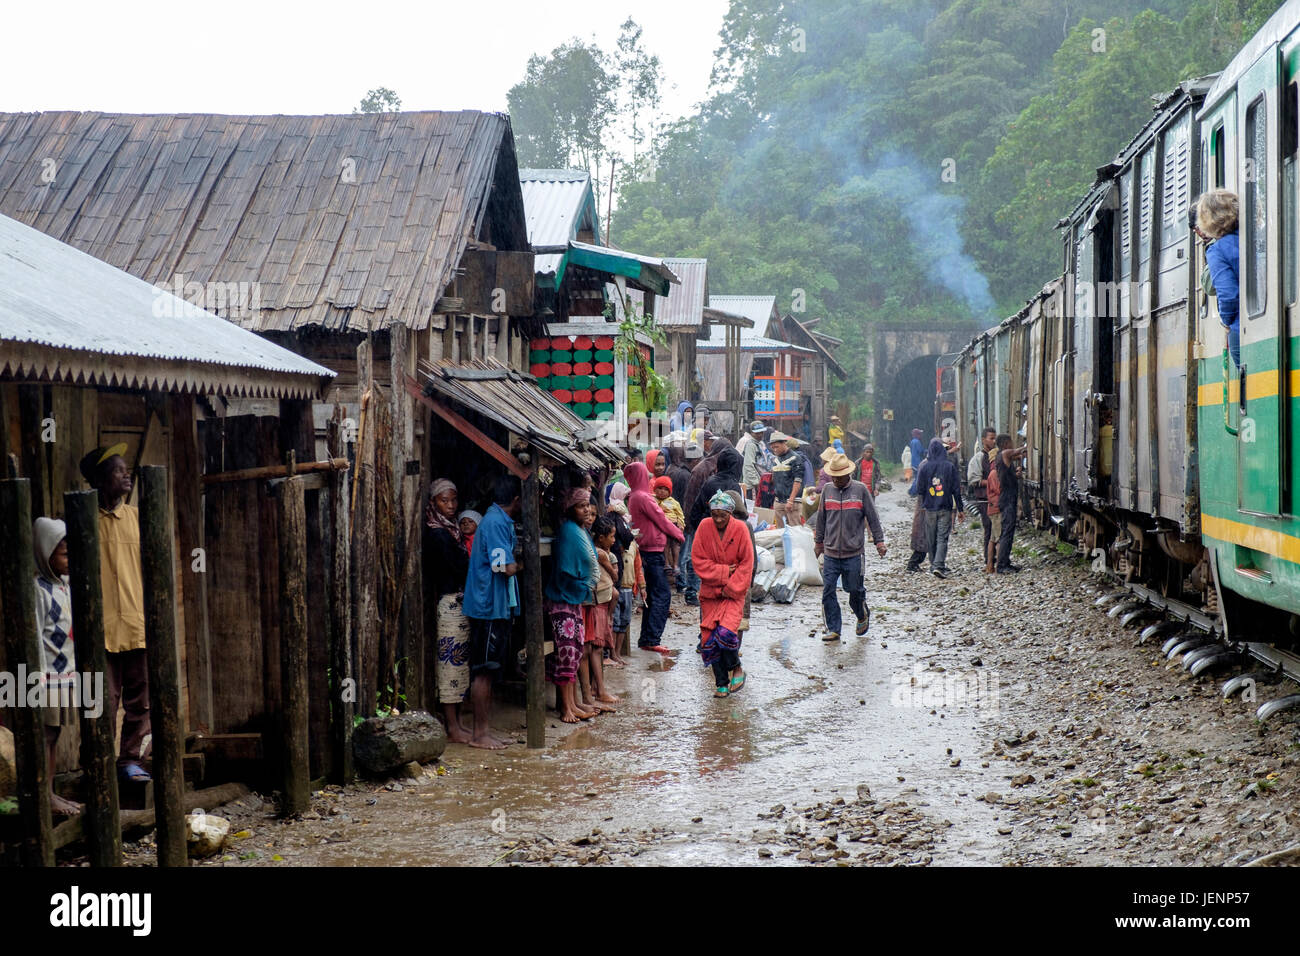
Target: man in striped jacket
{"points": [[844, 512]]}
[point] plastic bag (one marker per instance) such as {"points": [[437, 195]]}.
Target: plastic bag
{"points": [[800, 555], [766, 561]]}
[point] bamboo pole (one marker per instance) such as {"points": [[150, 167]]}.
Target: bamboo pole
{"points": [[98, 760], [293, 646], [276, 471], [23, 650], [533, 624], [164, 677]]}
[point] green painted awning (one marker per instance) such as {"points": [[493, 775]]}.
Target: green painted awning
{"points": [[642, 272]]}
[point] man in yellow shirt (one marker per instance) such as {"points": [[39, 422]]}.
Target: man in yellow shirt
{"points": [[836, 430], [123, 585]]}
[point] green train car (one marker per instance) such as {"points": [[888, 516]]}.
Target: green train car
{"points": [[1171, 467]]}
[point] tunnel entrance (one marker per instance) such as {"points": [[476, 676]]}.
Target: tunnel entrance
{"points": [[911, 398], [905, 359]]}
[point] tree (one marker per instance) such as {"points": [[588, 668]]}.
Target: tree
{"points": [[562, 109], [640, 78], [379, 100]]}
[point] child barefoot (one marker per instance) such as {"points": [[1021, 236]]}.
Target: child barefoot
{"points": [[599, 633], [54, 615], [625, 561]]}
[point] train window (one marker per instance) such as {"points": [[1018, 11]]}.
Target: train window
{"points": [[1126, 226], [1177, 182], [1254, 211], [1145, 203], [1220, 167], [1289, 147]]}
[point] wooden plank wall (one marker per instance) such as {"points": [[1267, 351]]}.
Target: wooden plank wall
{"points": [[233, 540]]}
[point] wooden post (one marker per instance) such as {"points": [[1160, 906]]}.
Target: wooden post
{"points": [[342, 685], [188, 491], [533, 624], [98, 759], [23, 651], [164, 676], [293, 646], [364, 562]]}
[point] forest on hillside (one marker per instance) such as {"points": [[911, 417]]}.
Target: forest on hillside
{"points": [[873, 160]]}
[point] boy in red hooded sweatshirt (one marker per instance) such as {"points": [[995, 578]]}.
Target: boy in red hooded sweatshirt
{"points": [[656, 530]]}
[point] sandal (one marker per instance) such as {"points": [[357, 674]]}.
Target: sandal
{"points": [[736, 683], [134, 773], [721, 692]]}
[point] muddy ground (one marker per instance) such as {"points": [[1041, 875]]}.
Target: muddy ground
{"points": [[982, 721]]}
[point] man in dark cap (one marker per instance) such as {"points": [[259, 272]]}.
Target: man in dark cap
{"points": [[122, 582]]}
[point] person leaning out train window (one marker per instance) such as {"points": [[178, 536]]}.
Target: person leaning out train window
{"points": [[1216, 223]]}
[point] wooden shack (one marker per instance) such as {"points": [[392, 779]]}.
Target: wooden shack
{"points": [[92, 356], [369, 243]]}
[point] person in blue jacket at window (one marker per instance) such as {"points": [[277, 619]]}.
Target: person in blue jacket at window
{"points": [[1216, 223]]}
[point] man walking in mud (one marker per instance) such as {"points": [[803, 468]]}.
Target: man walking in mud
{"points": [[843, 512]]}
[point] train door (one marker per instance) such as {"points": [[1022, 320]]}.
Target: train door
{"points": [[1290, 251], [1258, 436]]}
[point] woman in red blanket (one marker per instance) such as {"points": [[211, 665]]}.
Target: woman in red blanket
{"points": [[723, 556]]}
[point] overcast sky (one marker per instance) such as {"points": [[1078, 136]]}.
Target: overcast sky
{"points": [[269, 56]]}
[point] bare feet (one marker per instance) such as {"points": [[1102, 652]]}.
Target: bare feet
{"points": [[64, 807], [570, 717], [607, 698], [459, 734], [487, 742]]}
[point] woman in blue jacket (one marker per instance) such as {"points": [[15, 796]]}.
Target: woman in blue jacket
{"points": [[1216, 223]]}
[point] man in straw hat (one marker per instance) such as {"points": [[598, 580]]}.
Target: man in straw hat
{"points": [[835, 431], [787, 479], [842, 514], [122, 582]]}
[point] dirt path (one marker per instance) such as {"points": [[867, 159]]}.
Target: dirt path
{"points": [[981, 721]]}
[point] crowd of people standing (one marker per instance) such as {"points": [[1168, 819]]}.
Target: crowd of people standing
{"points": [[680, 519]]}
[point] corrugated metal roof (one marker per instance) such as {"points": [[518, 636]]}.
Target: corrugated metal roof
{"points": [[558, 203], [750, 341], [684, 306], [513, 399], [67, 316], [796, 329], [349, 222], [757, 308]]}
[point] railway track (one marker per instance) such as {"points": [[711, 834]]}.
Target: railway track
{"points": [[1200, 638]]}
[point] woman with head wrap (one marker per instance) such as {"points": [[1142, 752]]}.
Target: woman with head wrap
{"points": [[574, 575], [446, 562], [723, 554], [58, 659], [705, 469]]}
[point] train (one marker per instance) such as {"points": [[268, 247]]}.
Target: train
{"points": [[1171, 467]]}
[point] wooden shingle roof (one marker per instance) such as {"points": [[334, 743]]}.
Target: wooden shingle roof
{"points": [[346, 222]]}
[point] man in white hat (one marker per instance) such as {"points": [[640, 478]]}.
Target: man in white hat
{"points": [[753, 452], [835, 431], [845, 508], [787, 479]]}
